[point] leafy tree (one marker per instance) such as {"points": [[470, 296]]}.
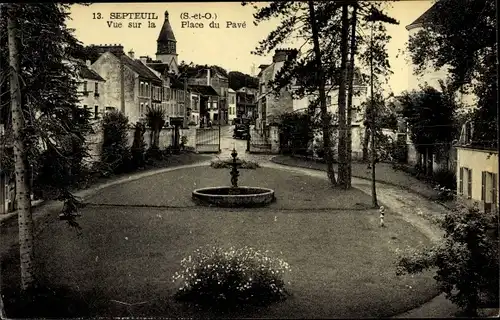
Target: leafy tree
{"points": [[461, 35], [466, 261], [296, 76], [53, 122], [430, 116], [155, 118], [138, 146], [115, 152], [238, 80]]}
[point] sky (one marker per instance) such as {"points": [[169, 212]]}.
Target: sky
{"points": [[229, 47]]}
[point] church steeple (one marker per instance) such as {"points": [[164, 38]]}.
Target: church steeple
{"points": [[166, 43]]}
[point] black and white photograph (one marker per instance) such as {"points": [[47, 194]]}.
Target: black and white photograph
{"points": [[249, 159]]}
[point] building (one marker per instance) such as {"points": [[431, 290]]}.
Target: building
{"points": [[166, 46], [246, 103], [130, 86], [213, 88], [477, 177], [231, 106], [91, 90], [271, 106]]}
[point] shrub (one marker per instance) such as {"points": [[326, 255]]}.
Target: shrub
{"points": [[115, 152], [467, 261], [231, 278], [445, 178], [184, 141], [138, 146], [225, 164]]}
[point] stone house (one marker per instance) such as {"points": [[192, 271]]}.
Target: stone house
{"points": [[130, 86]]}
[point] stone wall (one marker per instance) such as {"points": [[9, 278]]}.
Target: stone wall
{"points": [[166, 139]]}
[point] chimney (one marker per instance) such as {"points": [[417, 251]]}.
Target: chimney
{"points": [[284, 54], [131, 54], [88, 63], [144, 59], [208, 76]]}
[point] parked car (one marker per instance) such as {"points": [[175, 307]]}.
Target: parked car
{"points": [[241, 128]]}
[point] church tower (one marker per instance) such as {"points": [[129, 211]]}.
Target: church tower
{"points": [[166, 45]]}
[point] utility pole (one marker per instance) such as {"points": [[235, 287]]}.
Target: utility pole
{"points": [[374, 189], [184, 123]]}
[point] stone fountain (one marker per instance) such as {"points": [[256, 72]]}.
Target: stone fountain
{"points": [[234, 196]]}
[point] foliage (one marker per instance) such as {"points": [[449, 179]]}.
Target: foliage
{"points": [[184, 141], [237, 80], [467, 261], [115, 151], [155, 119], [226, 164], [461, 35], [138, 147], [430, 116], [296, 133], [232, 277], [55, 126]]}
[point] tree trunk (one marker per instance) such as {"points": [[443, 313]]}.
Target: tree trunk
{"points": [[366, 140], [350, 93], [322, 98], [342, 99], [373, 129], [20, 160]]}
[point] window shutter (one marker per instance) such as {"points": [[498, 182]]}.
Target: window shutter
{"points": [[483, 185], [469, 183], [494, 188], [461, 181]]}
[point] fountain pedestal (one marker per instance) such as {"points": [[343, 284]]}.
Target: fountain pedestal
{"points": [[234, 196]]}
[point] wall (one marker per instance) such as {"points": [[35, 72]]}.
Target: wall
{"points": [[108, 67], [166, 139], [478, 161]]}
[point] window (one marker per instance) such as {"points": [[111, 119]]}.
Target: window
{"points": [[85, 86], [96, 111], [109, 109], [328, 101], [141, 110], [488, 187], [96, 90]]}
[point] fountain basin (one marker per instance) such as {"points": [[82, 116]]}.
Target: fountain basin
{"points": [[234, 197]]}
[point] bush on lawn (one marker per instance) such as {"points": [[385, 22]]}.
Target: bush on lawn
{"points": [[467, 261], [115, 151], [231, 278], [226, 164]]}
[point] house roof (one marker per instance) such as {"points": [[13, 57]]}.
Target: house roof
{"points": [[423, 18], [87, 73], [204, 90], [138, 67]]}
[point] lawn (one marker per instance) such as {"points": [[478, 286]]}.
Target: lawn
{"points": [[122, 261], [173, 189]]}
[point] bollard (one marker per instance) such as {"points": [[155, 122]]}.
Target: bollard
{"points": [[382, 213]]}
